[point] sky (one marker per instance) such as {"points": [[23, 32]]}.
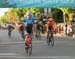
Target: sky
{"points": [[3, 10]]}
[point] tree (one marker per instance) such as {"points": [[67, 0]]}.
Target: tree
{"points": [[57, 14], [20, 12], [5, 18]]}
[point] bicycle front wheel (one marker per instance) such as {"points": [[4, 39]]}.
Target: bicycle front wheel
{"points": [[38, 35], [9, 33], [52, 41], [30, 49]]}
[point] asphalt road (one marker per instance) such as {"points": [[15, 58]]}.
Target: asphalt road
{"points": [[13, 48]]}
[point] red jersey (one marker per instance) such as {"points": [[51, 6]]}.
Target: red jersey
{"points": [[51, 22]]}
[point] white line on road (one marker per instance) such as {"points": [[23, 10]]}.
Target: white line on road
{"points": [[14, 43], [8, 54], [39, 57]]}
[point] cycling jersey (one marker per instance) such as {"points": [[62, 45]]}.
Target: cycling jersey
{"points": [[50, 24], [29, 21], [29, 24]]}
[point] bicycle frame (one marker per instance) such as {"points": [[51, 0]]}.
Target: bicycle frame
{"points": [[50, 33], [38, 35], [29, 44], [28, 41], [50, 38]]}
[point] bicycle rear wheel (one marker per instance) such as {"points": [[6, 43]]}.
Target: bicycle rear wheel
{"points": [[48, 40], [30, 49]]}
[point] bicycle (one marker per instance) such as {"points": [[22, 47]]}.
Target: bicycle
{"points": [[50, 38], [28, 44], [38, 35], [9, 34]]}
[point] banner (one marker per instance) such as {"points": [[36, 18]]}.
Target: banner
{"points": [[37, 3]]}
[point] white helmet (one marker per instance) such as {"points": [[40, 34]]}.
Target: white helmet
{"points": [[28, 13]]}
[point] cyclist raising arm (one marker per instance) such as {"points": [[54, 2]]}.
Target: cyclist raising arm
{"points": [[28, 24]]}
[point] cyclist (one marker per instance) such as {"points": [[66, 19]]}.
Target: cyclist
{"points": [[10, 28], [50, 26], [28, 24], [38, 24]]}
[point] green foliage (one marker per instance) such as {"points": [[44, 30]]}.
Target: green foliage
{"points": [[19, 13], [5, 18], [57, 15], [67, 12]]}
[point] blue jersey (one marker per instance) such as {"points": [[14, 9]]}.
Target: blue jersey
{"points": [[29, 21]]}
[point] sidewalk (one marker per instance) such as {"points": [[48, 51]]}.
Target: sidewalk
{"points": [[54, 35], [59, 35]]}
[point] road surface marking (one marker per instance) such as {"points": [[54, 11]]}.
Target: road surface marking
{"points": [[39, 57]]}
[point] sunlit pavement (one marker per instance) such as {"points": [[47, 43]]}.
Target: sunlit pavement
{"points": [[13, 48]]}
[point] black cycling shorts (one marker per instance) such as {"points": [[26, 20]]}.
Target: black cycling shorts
{"points": [[29, 28], [50, 28]]}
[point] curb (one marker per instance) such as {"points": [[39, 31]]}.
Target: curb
{"points": [[57, 35]]}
